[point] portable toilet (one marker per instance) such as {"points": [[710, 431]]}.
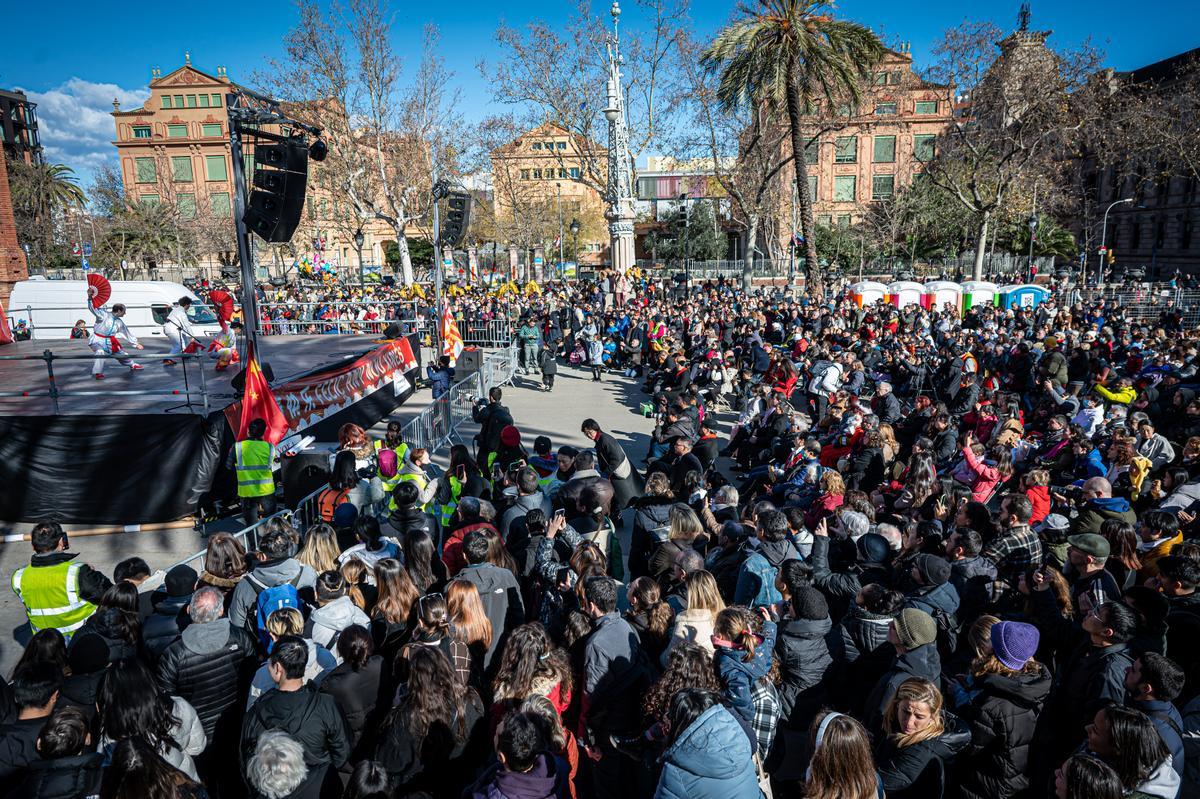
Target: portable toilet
{"points": [[866, 292], [906, 292], [940, 292], [978, 292], [1024, 295]]}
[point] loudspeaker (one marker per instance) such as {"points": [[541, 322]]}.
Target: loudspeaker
{"points": [[457, 219], [238, 383], [469, 361], [280, 178], [303, 473], [392, 331], [279, 282]]}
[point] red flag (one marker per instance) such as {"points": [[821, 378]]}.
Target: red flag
{"points": [[259, 403], [6, 336]]}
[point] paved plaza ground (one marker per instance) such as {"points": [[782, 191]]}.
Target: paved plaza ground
{"points": [[613, 403]]}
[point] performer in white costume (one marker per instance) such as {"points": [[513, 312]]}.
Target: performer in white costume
{"points": [[178, 330], [107, 334]]}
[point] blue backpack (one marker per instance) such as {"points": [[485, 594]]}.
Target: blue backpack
{"points": [[270, 599]]}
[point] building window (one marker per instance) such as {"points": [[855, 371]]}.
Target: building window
{"points": [[881, 78], [825, 220], [537, 145], [145, 170], [166, 101], [885, 109], [811, 152], [537, 174], [1135, 243], [846, 150], [150, 199], [216, 98], [844, 188], [562, 145], [177, 131], [812, 188], [923, 146], [844, 110], [215, 169], [843, 220], [885, 150], [211, 129], [562, 174], [524, 174], [141, 131], [897, 78], [1160, 233], [575, 172], [178, 101], [882, 186], [220, 204], [203, 100], [181, 168], [191, 101], [925, 107], [550, 145], [187, 206]]}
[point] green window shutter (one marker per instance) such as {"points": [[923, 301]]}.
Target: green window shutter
{"points": [[141, 131], [215, 169], [211, 129], [191, 101], [179, 101], [812, 188], [924, 146], [177, 131], [885, 149], [811, 152], [216, 101], [150, 199], [145, 170], [825, 220], [926, 107], [187, 206], [181, 168], [844, 188], [882, 186], [846, 150], [166, 101], [220, 204], [203, 100], [885, 109], [843, 221]]}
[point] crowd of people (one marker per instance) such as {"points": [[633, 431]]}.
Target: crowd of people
{"points": [[866, 552]]}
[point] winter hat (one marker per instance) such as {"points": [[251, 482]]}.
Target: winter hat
{"points": [[809, 604], [344, 515], [873, 548], [510, 436], [388, 463], [854, 523], [541, 445], [915, 628], [1091, 544], [734, 531], [1014, 643], [933, 570], [87, 654], [181, 581]]}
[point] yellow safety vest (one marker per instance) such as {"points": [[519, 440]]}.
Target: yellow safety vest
{"points": [[254, 468], [448, 509], [51, 597], [400, 451], [411, 477]]}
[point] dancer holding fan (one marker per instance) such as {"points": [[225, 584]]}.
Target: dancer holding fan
{"points": [[109, 330], [223, 346]]}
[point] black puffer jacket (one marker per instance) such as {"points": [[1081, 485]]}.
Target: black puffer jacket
{"points": [[357, 696], [803, 651], [651, 525], [900, 767], [109, 624], [312, 718], [164, 625], [208, 666], [1002, 719], [64, 777]]}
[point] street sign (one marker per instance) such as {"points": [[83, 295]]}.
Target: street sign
{"points": [[75, 250], [86, 265], [87, 249], [1103, 250]]}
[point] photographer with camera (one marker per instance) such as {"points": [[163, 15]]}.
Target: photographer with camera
{"points": [[492, 417]]}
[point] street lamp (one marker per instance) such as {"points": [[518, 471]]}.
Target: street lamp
{"points": [[1104, 237], [575, 238], [560, 232], [1033, 225], [359, 238], [687, 243]]}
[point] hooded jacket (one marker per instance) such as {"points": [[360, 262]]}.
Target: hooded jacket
{"points": [[165, 624], [64, 778], [1096, 512], [500, 594], [739, 675], [1002, 718], [329, 620], [899, 767], [711, 759], [245, 598], [651, 527], [310, 717], [756, 578], [1163, 783], [804, 649], [548, 778], [357, 694], [205, 666], [922, 662]]}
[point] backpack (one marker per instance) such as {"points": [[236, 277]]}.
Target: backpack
{"points": [[270, 599], [328, 501]]}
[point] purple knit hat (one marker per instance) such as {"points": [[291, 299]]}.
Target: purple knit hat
{"points": [[1014, 643]]}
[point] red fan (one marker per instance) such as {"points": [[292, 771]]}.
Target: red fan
{"points": [[222, 303], [98, 289]]}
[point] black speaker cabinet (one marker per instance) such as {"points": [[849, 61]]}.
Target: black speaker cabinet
{"points": [[303, 474]]}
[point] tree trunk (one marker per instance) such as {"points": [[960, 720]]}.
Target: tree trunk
{"points": [[406, 268], [814, 283], [748, 260], [981, 246]]}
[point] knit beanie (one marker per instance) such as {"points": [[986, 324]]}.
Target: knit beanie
{"points": [[510, 436], [915, 628], [809, 604], [88, 654], [1014, 643], [933, 570]]}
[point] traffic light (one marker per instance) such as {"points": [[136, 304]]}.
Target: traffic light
{"points": [[457, 218], [1112, 256], [280, 178]]}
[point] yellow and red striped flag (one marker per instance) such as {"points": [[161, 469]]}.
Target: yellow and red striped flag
{"points": [[452, 343]]}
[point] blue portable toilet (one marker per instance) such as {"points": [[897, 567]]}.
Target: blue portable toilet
{"points": [[1024, 295]]}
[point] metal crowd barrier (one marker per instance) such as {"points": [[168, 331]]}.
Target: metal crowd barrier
{"points": [[486, 332], [202, 316]]}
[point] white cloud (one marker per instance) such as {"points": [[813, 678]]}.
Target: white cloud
{"points": [[76, 124]]}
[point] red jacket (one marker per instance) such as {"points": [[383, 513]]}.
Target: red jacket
{"points": [[1040, 497], [452, 554]]}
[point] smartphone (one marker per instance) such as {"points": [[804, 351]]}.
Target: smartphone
{"points": [[560, 513]]}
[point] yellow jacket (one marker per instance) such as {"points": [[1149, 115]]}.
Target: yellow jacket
{"points": [[1122, 396]]}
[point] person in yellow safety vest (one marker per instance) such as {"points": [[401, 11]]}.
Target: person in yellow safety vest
{"points": [[970, 367], [413, 470], [393, 441], [55, 591], [253, 460], [389, 472]]}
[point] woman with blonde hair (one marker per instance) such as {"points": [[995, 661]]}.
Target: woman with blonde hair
{"points": [[695, 624], [358, 587], [470, 623], [919, 732], [842, 766], [684, 530], [320, 549]]}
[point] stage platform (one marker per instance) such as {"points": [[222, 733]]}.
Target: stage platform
{"points": [[290, 357]]}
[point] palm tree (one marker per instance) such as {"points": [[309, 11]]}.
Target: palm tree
{"points": [[41, 192], [790, 53]]}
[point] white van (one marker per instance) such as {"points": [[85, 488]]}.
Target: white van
{"points": [[52, 307]]}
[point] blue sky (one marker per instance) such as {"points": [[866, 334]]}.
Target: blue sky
{"points": [[95, 51]]}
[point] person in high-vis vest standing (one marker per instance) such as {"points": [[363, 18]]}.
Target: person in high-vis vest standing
{"points": [[253, 459], [55, 591]]}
